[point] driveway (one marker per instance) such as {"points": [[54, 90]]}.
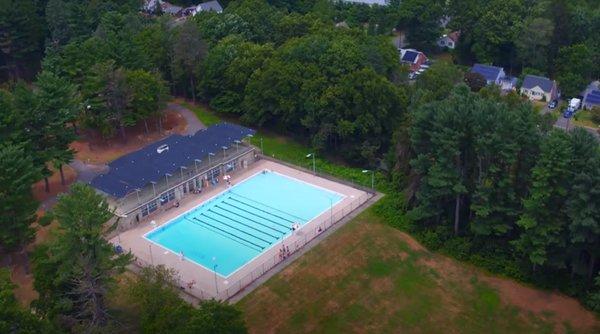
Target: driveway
{"points": [[193, 124]]}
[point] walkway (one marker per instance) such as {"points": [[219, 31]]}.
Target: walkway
{"points": [[193, 124]]}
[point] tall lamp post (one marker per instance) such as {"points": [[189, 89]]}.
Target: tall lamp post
{"points": [[209, 155], [215, 271], [372, 177], [312, 155]]}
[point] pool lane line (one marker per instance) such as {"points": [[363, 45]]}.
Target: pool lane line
{"points": [[225, 236], [233, 235], [250, 219], [237, 229], [259, 216], [243, 224], [267, 212], [231, 192]]}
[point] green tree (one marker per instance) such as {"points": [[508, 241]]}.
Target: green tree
{"points": [[421, 18], [575, 68], [543, 238], [475, 81], [148, 94], [227, 69], [583, 202], [493, 34], [75, 271], [18, 205], [532, 42], [21, 38], [58, 104], [161, 310], [189, 51], [13, 318], [440, 79]]}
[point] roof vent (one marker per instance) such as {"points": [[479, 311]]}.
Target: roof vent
{"points": [[162, 148]]}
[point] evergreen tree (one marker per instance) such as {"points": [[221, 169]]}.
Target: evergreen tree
{"points": [[18, 207], [75, 271], [544, 222]]}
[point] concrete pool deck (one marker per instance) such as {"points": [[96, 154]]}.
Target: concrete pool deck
{"points": [[203, 283]]}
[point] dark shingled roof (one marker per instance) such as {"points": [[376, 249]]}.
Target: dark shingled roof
{"points": [[531, 81], [490, 73], [137, 169], [410, 56], [593, 97]]}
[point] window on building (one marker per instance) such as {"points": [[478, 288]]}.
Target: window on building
{"points": [[149, 208], [213, 173], [167, 197]]}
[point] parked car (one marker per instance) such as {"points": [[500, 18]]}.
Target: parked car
{"points": [[553, 104], [569, 113]]}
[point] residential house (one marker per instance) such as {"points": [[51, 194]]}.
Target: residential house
{"points": [[209, 6], [369, 2], [170, 9], [413, 58], [449, 41], [492, 74], [539, 88], [591, 96]]}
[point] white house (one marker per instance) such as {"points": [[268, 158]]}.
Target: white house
{"points": [[539, 88], [449, 41]]}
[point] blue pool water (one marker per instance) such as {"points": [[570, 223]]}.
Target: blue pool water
{"points": [[237, 225]]}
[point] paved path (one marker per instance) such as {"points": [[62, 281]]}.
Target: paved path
{"points": [[565, 123], [193, 124]]}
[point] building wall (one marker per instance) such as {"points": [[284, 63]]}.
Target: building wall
{"points": [[170, 197]]}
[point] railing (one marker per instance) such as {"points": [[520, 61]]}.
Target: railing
{"points": [[204, 287]]}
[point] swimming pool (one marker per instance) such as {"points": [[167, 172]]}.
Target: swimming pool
{"points": [[229, 230]]}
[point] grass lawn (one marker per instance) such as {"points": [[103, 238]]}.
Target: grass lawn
{"points": [[369, 277], [206, 117], [584, 118]]}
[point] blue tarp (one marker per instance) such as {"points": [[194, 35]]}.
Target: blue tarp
{"points": [[138, 169]]}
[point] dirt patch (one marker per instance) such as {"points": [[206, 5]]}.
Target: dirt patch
{"points": [[563, 309], [93, 149], [39, 188]]}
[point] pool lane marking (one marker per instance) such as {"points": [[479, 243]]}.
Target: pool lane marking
{"points": [[250, 219], [233, 235], [254, 214], [225, 236], [235, 228], [268, 206], [267, 212], [241, 223]]}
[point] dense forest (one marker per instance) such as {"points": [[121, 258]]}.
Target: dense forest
{"points": [[474, 173]]}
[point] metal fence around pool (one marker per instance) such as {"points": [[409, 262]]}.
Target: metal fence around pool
{"points": [[224, 289]]}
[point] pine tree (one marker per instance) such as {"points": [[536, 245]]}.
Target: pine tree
{"points": [[75, 272], [17, 205], [543, 239]]}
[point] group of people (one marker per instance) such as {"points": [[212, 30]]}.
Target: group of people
{"points": [[227, 178], [284, 252]]}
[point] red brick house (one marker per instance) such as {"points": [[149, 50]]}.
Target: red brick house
{"points": [[413, 58]]}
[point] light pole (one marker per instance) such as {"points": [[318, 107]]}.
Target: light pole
{"points": [[209, 155], [167, 178], [181, 168], [237, 145], [261, 146], [224, 148], [372, 177], [313, 160], [153, 187], [215, 271], [196, 164]]}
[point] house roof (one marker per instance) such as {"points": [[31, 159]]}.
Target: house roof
{"points": [[592, 97], [137, 169], [454, 36], [369, 2], [170, 9], [409, 55], [208, 6], [531, 81], [490, 73]]}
